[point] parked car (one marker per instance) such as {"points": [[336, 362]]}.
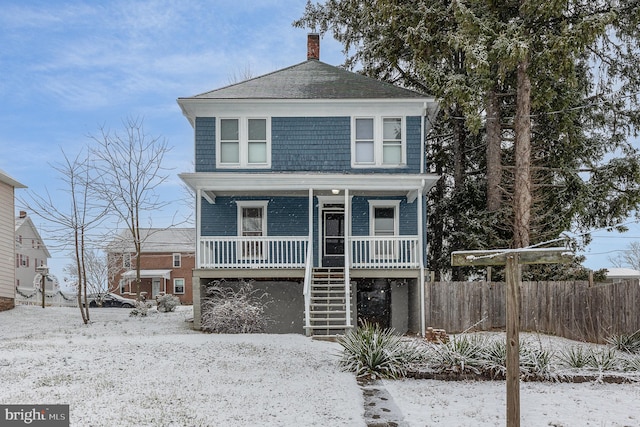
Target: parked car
{"points": [[110, 300]]}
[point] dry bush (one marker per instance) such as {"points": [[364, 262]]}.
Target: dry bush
{"points": [[226, 310]]}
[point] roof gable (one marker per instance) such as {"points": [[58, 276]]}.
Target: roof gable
{"points": [[311, 79], [25, 222]]}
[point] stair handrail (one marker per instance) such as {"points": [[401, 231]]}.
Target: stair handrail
{"points": [[306, 292]]}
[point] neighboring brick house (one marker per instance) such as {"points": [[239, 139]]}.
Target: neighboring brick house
{"points": [[311, 181], [31, 252], [166, 263], [7, 241]]}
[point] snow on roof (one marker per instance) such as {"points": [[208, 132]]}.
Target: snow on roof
{"points": [[157, 240], [4, 177], [618, 273]]}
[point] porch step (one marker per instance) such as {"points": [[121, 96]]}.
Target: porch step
{"points": [[327, 316]]}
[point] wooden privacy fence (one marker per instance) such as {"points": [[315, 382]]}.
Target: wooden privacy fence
{"points": [[573, 310]]}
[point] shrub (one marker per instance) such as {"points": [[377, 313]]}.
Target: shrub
{"points": [[371, 351], [229, 311], [141, 309], [167, 303]]}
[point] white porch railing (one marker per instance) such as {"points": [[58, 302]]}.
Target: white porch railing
{"points": [[384, 252], [253, 252], [389, 252]]}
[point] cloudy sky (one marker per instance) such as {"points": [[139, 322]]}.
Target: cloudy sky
{"points": [[68, 68]]}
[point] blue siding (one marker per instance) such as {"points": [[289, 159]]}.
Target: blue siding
{"points": [[360, 215], [286, 216], [316, 144], [205, 136], [311, 144]]}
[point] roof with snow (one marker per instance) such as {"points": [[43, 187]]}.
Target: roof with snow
{"points": [[311, 79], [622, 273], [156, 240]]}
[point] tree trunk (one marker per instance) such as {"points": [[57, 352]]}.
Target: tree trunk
{"points": [[522, 197], [494, 152]]}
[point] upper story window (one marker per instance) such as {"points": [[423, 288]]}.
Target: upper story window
{"points": [[126, 260], [378, 141], [177, 260], [244, 143]]}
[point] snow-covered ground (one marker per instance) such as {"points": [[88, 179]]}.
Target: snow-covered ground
{"points": [[156, 371]]}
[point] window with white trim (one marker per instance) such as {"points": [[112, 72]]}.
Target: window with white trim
{"points": [[378, 142], [252, 222], [177, 260], [383, 222], [126, 260], [178, 286], [243, 143]]}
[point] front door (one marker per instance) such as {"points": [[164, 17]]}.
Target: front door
{"points": [[333, 237], [155, 287]]}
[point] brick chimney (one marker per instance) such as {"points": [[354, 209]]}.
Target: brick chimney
{"points": [[313, 46], [23, 214]]}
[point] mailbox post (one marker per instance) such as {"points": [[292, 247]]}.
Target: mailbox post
{"points": [[43, 270]]}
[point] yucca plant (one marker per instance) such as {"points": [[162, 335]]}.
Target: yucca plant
{"points": [[576, 357], [371, 351], [604, 359], [535, 363], [462, 353], [495, 359], [626, 343], [632, 364]]}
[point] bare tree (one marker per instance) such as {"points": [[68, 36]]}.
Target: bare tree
{"points": [[72, 222], [96, 272], [240, 75], [629, 258], [130, 165]]}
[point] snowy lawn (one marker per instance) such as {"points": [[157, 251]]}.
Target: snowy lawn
{"points": [[156, 371]]}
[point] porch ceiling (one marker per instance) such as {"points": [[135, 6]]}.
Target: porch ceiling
{"points": [[227, 183]]}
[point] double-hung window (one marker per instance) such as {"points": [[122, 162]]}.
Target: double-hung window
{"points": [[252, 224], [378, 142], [178, 286], [384, 227], [177, 260], [244, 143]]}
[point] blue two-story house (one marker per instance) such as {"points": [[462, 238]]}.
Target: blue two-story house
{"points": [[310, 181]]}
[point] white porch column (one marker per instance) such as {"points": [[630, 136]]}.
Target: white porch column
{"points": [[198, 215], [311, 219], [421, 226], [347, 253]]}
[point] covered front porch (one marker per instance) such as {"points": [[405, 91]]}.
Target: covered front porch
{"points": [[266, 225]]}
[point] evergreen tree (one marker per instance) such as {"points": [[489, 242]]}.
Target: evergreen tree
{"points": [[539, 102]]}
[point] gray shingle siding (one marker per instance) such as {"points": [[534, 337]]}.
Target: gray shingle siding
{"points": [[315, 144], [205, 136], [360, 215], [311, 144], [286, 216]]}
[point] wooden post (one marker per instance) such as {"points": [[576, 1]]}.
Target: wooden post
{"points": [[512, 277], [512, 259]]}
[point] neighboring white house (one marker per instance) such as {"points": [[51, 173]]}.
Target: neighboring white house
{"points": [[621, 274], [31, 253], [7, 239]]}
